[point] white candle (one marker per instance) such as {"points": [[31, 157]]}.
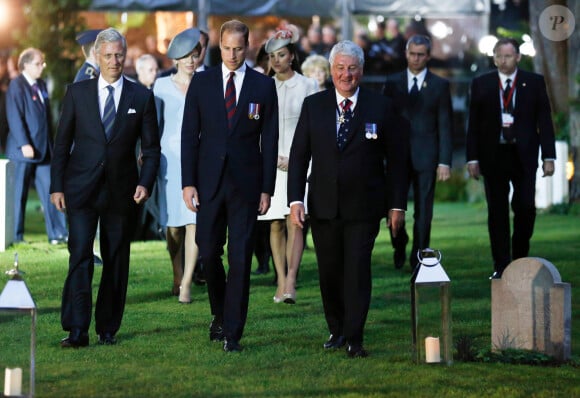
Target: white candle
{"points": [[432, 352], [13, 382]]}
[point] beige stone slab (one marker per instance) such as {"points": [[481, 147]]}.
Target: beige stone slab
{"points": [[531, 309]]}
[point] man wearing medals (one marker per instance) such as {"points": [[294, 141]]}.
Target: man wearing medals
{"points": [[509, 121], [348, 132], [229, 150]]}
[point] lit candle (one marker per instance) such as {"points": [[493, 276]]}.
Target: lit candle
{"points": [[13, 382], [432, 353]]}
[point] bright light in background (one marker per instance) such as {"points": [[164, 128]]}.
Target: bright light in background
{"points": [[527, 47], [440, 30], [486, 44], [4, 13], [569, 170]]}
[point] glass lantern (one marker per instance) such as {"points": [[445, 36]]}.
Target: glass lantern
{"points": [[18, 334], [431, 310]]}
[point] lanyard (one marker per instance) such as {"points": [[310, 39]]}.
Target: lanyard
{"points": [[508, 100]]}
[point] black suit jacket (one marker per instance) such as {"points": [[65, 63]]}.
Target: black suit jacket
{"points": [[430, 119], [29, 121], [250, 148], [351, 183], [532, 120], [84, 159]]}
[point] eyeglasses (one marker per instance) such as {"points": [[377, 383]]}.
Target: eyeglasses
{"points": [[39, 64]]}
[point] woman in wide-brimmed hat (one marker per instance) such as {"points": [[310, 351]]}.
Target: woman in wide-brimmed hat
{"points": [[286, 239], [185, 51]]}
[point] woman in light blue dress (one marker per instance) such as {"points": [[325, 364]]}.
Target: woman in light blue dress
{"points": [[185, 50]]}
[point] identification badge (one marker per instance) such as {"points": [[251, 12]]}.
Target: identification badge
{"points": [[254, 111], [507, 119]]}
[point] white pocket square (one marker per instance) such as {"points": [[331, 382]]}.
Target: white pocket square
{"points": [[131, 110]]}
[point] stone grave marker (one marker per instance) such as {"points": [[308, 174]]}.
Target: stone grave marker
{"points": [[531, 308]]}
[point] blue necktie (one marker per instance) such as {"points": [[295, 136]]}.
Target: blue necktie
{"points": [[109, 112], [344, 120], [230, 99]]}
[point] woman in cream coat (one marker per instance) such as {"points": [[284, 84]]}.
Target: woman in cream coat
{"points": [[286, 240]]}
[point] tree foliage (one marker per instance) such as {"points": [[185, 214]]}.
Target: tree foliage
{"points": [[52, 27], [558, 62]]}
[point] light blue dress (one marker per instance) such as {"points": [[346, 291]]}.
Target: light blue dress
{"points": [[173, 212]]}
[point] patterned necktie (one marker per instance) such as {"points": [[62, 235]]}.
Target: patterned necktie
{"points": [[36, 94], [109, 112], [230, 98], [344, 120], [414, 93]]}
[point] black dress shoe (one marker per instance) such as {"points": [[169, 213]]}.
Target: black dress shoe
{"points": [[356, 351], [107, 339], [216, 331], [399, 257], [199, 275], [495, 275], [261, 271], [334, 342], [231, 345], [75, 339]]}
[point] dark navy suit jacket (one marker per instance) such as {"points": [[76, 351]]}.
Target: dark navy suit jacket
{"points": [[79, 170], [351, 183], [430, 119], [250, 148], [532, 120], [29, 121]]}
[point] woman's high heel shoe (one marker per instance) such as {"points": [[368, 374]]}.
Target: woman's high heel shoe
{"points": [[184, 295]]}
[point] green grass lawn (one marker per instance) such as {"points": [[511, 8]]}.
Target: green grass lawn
{"points": [[164, 351]]}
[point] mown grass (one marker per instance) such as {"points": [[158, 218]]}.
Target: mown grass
{"points": [[164, 351]]}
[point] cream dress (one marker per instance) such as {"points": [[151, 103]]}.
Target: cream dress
{"points": [[291, 94]]}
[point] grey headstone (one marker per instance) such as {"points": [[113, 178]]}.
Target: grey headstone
{"points": [[531, 308]]}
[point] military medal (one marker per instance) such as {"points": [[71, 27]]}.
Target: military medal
{"points": [[371, 131], [254, 111]]}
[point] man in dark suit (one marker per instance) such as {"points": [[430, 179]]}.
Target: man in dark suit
{"points": [[348, 191], [509, 120], [89, 69], [29, 144], [95, 179], [424, 100], [229, 151]]}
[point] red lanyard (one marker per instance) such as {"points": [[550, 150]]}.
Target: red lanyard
{"points": [[508, 100]]}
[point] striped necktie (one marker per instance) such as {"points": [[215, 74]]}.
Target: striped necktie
{"points": [[230, 98], [109, 112]]}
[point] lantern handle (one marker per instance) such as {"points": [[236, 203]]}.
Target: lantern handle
{"points": [[15, 273], [429, 251]]}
